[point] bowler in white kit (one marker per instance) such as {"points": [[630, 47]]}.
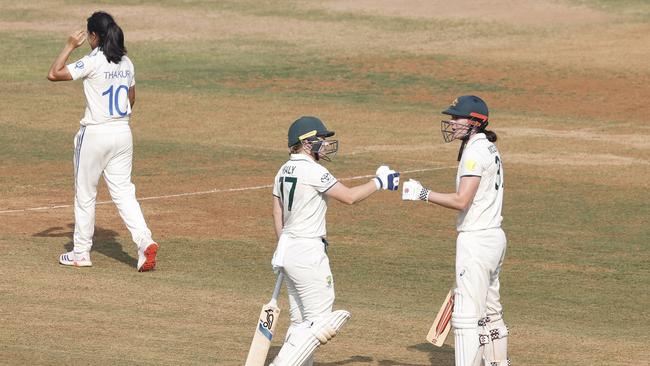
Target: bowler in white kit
{"points": [[104, 144], [480, 333]]}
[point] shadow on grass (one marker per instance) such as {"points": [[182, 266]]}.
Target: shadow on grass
{"points": [[104, 242], [354, 359], [443, 356]]}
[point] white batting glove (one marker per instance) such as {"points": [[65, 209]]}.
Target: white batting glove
{"points": [[412, 190], [386, 178]]}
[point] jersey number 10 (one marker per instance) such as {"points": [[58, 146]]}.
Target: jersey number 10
{"points": [[114, 98]]}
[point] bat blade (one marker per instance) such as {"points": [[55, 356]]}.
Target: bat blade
{"points": [[442, 323], [265, 329], [263, 335]]}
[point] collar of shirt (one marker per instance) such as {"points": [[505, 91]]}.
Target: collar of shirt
{"points": [[304, 157], [475, 138]]}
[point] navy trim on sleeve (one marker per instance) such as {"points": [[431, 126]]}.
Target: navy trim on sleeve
{"points": [[330, 187]]}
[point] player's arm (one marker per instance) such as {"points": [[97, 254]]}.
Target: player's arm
{"points": [[460, 200], [58, 70], [132, 95], [278, 213], [342, 193], [385, 178]]}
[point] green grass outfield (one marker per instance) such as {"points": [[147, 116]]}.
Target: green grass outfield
{"points": [[219, 82]]}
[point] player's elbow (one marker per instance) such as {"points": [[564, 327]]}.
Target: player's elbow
{"points": [[54, 76], [463, 204], [348, 200]]}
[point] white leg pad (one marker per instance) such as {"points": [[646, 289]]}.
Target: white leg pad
{"points": [[466, 338], [494, 337], [300, 347]]}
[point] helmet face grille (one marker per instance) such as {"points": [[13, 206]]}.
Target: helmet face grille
{"points": [[447, 132], [451, 130], [325, 149]]}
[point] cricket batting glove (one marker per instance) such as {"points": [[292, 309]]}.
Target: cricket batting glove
{"points": [[412, 190], [386, 178]]}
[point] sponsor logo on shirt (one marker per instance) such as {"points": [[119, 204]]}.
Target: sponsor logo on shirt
{"points": [[79, 65], [326, 178]]}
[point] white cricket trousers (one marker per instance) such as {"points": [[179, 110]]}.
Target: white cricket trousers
{"points": [[105, 149], [310, 284], [479, 257]]}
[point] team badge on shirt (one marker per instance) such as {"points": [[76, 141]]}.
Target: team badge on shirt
{"points": [[470, 164]]}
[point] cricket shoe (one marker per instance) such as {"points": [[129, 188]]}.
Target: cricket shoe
{"points": [[147, 257], [75, 259]]}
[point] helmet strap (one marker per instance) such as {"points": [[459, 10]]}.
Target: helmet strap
{"points": [[462, 147]]}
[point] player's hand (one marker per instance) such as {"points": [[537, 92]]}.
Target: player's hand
{"points": [[412, 190], [387, 178], [77, 38]]}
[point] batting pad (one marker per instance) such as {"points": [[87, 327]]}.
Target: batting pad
{"points": [[319, 333], [493, 336], [466, 345]]}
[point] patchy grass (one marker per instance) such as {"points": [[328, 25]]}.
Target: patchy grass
{"points": [[218, 85]]}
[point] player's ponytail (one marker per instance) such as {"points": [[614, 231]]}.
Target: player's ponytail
{"points": [[111, 37], [113, 47], [491, 136]]}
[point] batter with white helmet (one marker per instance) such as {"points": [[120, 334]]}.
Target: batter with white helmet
{"points": [[300, 192], [104, 144], [477, 318]]}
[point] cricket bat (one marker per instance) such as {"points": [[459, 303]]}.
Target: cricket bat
{"points": [[442, 324], [265, 328]]}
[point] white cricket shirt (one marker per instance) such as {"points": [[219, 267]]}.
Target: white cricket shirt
{"points": [[106, 86], [481, 159], [301, 184]]}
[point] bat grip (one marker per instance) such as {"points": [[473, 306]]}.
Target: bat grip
{"points": [[278, 286]]}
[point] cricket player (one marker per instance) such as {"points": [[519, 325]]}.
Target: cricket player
{"points": [[104, 143], [479, 329], [300, 192]]}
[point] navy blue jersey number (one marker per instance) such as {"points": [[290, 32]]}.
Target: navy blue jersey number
{"points": [[499, 181]]}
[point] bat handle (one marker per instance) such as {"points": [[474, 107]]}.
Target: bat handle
{"points": [[278, 286]]}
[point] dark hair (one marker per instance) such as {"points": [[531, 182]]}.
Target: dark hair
{"points": [[111, 38], [491, 136]]}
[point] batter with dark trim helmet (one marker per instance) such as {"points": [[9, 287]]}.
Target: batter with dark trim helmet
{"points": [[311, 132], [469, 114]]}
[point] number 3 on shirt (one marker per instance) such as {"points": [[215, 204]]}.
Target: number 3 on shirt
{"points": [[292, 190], [499, 181], [113, 99]]}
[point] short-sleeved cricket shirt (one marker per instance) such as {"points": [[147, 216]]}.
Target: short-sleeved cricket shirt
{"points": [[301, 184], [106, 86]]}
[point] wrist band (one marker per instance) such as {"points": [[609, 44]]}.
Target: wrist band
{"points": [[424, 194], [377, 182]]}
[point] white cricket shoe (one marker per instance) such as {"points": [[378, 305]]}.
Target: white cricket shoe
{"points": [[147, 257], [75, 259]]}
